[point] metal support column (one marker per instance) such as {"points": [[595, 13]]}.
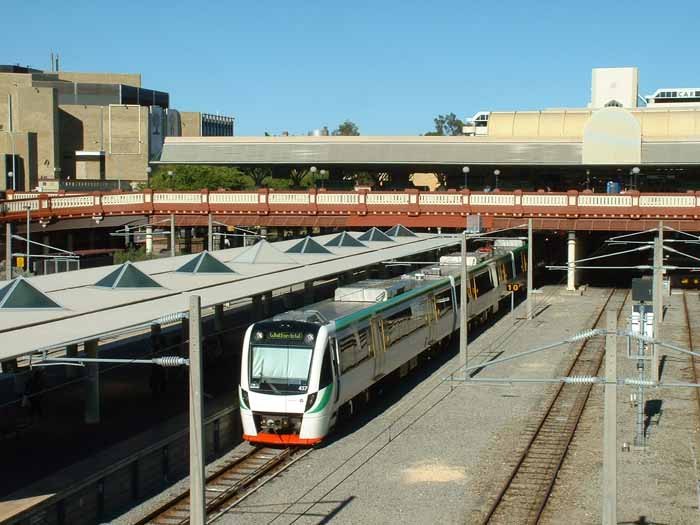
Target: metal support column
{"points": [[172, 235], [219, 325], [530, 269], [610, 423], [92, 384], [257, 308], [657, 298], [197, 503], [72, 371], [571, 261], [463, 304], [639, 433], [8, 251], [184, 336], [156, 334], [210, 233], [267, 304]]}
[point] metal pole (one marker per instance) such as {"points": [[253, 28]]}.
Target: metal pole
{"points": [[512, 306], [29, 218], [610, 424], [657, 296], [8, 251], [210, 234], [529, 270], [172, 235], [463, 302], [197, 502], [639, 434]]}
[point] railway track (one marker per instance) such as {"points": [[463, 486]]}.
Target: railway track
{"points": [[525, 493], [228, 485], [693, 363]]}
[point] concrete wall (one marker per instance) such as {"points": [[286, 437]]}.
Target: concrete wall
{"points": [[131, 79], [37, 111], [127, 143], [191, 123], [570, 124], [25, 147]]}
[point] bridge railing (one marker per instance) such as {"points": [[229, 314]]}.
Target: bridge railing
{"points": [[411, 202]]}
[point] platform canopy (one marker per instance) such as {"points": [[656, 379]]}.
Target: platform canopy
{"points": [[78, 311]]}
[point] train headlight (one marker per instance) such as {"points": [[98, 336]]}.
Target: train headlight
{"points": [[310, 400], [309, 339], [258, 336]]}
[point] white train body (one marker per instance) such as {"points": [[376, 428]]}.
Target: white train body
{"points": [[299, 368]]}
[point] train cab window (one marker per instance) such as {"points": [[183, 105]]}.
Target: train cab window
{"points": [[483, 283], [326, 370]]}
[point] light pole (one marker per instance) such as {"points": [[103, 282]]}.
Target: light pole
{"points": [[465, 170], [29, 216], [496, 173], [313, 170], [635, 177], [323, 174]]}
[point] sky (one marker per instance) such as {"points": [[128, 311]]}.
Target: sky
{"points": [[389, 66]]}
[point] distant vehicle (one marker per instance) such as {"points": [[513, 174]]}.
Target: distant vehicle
{"points": [[305, 369], [478, 124]]}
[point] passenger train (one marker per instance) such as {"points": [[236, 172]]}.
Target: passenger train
{"points": [[301, 369]]}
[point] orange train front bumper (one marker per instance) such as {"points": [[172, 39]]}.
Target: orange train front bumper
{"points": [[281, 439]]}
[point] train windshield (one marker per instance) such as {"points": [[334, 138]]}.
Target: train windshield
{"points": [[280, 369]]}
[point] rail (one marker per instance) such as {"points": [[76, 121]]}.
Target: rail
{"points": [[328, 203], [692, 361], [524, 495], [223, 486]]}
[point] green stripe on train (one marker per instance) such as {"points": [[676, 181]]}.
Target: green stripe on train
{"points": [[324, 400]]}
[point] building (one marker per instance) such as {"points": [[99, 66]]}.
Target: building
{"points": [[86, 130]]}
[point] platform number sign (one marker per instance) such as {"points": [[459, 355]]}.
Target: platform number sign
{"points": [[20, 262], [513, 287]]}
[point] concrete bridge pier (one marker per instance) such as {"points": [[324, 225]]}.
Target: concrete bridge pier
{"points": [[571, 245]]}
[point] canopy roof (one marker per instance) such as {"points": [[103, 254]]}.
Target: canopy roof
{"points": [[263, 253]]}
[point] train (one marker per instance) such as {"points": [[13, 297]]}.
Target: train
{"points": [[302, 369]]}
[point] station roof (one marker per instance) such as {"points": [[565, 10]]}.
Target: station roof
{"points": [[88, 311]]}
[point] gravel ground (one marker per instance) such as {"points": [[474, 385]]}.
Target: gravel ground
{"points": [[440, 451], [655, 485]]}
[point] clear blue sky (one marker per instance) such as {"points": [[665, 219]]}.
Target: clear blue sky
{"points": [[390, 66]]}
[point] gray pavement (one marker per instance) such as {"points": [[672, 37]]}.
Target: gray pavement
{"points": [[438, 453]]}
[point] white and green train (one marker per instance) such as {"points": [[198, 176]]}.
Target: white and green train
{"points": [[300, 368]]}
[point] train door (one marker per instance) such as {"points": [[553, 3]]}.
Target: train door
{"points": [[335, 358], [377, 334]]}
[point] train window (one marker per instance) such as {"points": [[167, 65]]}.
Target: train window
{"points": [[443, 302], [326, 370], [483, 283]]}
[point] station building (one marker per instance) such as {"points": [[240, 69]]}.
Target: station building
{"points": [[87, 131]]}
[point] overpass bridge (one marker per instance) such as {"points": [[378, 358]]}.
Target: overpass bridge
{"points": [[572, 210]]}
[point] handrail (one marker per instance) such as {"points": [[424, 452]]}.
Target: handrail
{"points": [[410, 202]]}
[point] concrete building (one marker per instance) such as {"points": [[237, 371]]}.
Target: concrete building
{"points": [[86, 130]]}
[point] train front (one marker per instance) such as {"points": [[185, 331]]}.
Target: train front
{"points": [[281, 398]]}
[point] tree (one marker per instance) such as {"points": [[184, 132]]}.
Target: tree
{"points": [[259, 176], [197, 177], [448, 125], [347, 129]]}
